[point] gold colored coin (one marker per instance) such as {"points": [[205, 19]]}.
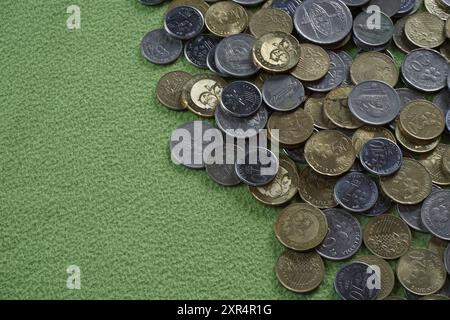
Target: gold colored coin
{"points": [[414, 145], [301, 227], [269, 20], [366, 133], [169, 88], [433, 163], [226, 18], [313, 65], [337, 110], [437, 246], [436, 9], [387, 274], [422, 120], [201, 94], [300, 272], [294, 127], [410, 185], [276, 51], [421, 272], [446, 161], [387, 236], [316, 189], [447, 29], [282, 189], [330, 153], [314, 106], [200, 5], [374, 66], [425, 30]]}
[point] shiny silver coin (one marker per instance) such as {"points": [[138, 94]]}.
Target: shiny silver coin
{"points": [[436, 214], [241, 99], [184, 22], [283, 93], [356, 192], [160, 48], [381, 157]]}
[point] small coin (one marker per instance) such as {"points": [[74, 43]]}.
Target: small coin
{"points": [[283, 93], [258, 168], [316, 189], [334, 78], [184, 22], [296, 154], [387, 276], [366, 133], [288, 6], [348, 61], [293, 128], [344, 237], [351, 282], [442, 100], [373, 36], [268, 20], [159, 48], [421, 272], [381, 157], [315, 107], [446, 161], [336, 109], [330, 153], [389, 7], [300, 272], [169, 88], [414, 145], [410, 185], [374, 66], [399, 37], [356, 192], [197, 49], [422, 120], [437, 246], [220, 167], [226, 18], [314, 63], [436, 214], [433, 7], [433, 162], [200, 5], [425, 30], [241, 99]]}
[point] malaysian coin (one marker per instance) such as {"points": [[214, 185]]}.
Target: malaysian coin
{"points": [[351, 282], [425, 30], [344, 237], [445, 290], [445, 3], [313, 65], [442, 100], [399, 37], [433, 7], [300, 272], [425, 70], [211, 63], [283, 93], [406, 7], [418, 5], [433, 162], [410, 185], [249, 2], [366, 48], [382, 206], [169, 88], [335, 76], [422, 120], [421, 272], [374, 66], [184, 22], [337, 111], [446, 161], [288, 6], [258, 167], [276, 51], [200, 5], [387, 237], [301, 227], [381, 157], [366, 133], [389, 7], [197, 49], [436, 214], [293, 128], [330, 153], [437, 246], [356, 192], [387, 276], [269, 20], [220, 167], [348, 61], [316, 189], [414, 145], [447, 259], [201, 94], [241, 99], [282, 189], [407, 95], [226, 18], [296, 154], [159, 48], [373, 36], [315, 107]]}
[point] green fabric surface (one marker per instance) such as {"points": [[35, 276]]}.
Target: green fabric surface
{"points": [[86, 177]]}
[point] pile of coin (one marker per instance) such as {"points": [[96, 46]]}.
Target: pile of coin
{"points": [[361, 132]]}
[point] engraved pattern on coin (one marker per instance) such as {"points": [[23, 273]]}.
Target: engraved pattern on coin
{"points": [[356, 192], [381, 157], [351, 282], [184, 22], [158, 47], [436, 214], [316, 189], [314, 63], [226, 18]]}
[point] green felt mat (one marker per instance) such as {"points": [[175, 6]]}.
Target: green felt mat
{"points": [[86, 178]]}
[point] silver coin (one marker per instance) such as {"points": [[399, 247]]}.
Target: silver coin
{"points": [[355, 3], [373, 36], [400, 39], [447, 120], [333, 79], [283, 92], [196, 50], [288, 6], [297, 154], [211, 63], [436, 214], [356, 192], [159, 48], [344, 237], [445, 3], [382, 206], [447, 258], [221, 168], [241, 99], [348, 61], [406, 6], [351, 282], [389, 7], [365, 48], [381, 157], [407, 95], [442, 100], [184, 22], [258, 168]]}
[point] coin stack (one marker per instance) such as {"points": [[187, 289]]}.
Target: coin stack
{"points": [[362, 132]]}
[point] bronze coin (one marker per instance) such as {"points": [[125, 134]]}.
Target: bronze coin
{"points": [[314, 63], [414, 145], [366, 133], [169, 89], [337, 110], [226, 18], [314, 106], [446, 161], [268, 20], [200, 5], [293, 128], [374, 66], [433, 162], [316, 189]]}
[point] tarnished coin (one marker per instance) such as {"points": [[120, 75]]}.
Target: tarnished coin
{"points": [[387, 276], [282, 189], [381, 157], [351, 282], [197, 49], [373, 36], [241, 99], [276, 51], [410, 185], [288, 6], [437, 246], [301, 227], [283, 93], [269, 20], [414, 145], [336, 109], [296, 154], [226, 18], [421, 272], [436, 214], [374, 66], [433, 7], [316, 189], [293, 127], [442, 100], [433, 162], [200, 5], [387, 237], [221, 167], [160, 48], [315, 107], [399, 37], [366, 133], [356, 192], [344, 237], [389, 7], [446, 161], [169, 88], [425, 30], [184, 22], [335, 76], [300, 272], [314, 63], [348, 61], [447, 259], [422, 120], [258, 167]]}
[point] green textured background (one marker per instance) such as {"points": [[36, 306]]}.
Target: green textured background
{"points": [[85, 175]]}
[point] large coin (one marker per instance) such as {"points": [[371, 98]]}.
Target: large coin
{"points": [[387, 275], [241, 99], [293, 128], [169, 88], [226, 18], [221, 167], [184, 22], [269, 20], [422, 120], [283, 92], [425, 30], [336, 109], [160, 48], [316, 189], [351, 282], [258, 168], [335, 76], [373, 37], [356, 192], [436, 214], [366, 133], [381, 157], [374, 66], [314, 63], [315, 107], [433, 161]]}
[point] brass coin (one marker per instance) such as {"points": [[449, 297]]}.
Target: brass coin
{"points": [[314, 106], [300, 272], [425, 30], [200, 5], [337, 110], [447, 29], [201, 94], [330, 153], [226, 18], [276, 51], [433, 162], [366, 133], [301, 227], [269, 20], [414, 145], [314, 63], [446, 161], [410, 185], [282, 189], [437, 246], [386, 272], [421, 272], [435, 8], [374, 66], [422, 120], [316, 189], [387, 236], [294, 127], [169, 88]]}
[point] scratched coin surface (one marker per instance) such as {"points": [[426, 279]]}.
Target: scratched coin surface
{"points": [[422, 120], [315, 107], [169, 88], [433, 162], [197, 49], [373, 36], [283, 93], [425, 30], [220, 167], [334, 77], [241, 99], [381, 157], [293, 127], [436, 214], [268, 20], [374, 66], [317, 189], [344, 237], [351, 282], [160, 48], [356, 192], [184, 22], [226, 18], [387, 281], [421, 272], [258, 167], [300, 271], [314, 63], [337, 111], [366, 133]]}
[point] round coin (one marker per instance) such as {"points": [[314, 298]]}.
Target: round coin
{"points": [[220, 167], [169, 88], [411, 214], [414, 145], [382, 206], [442, 100], [351, 282], [258, 168], [313, 65], [381, 157], [336, 109], [387, 276], [422, 120], [297, 154], [425, 30], [356, 192], [374, 66], [399, 37], [366, 133], [335, 76], [433, 162], [268, 20], [316, 189], [446, 161], [348, 61], [373, 37], [183, 22], [314, 106], [290, 128], [283, 93], [407, 95], [288, 6], [437, 246], [226, 18], [241, 99], [159, 48], [436, 214], [435, 8], [197, 49], [211, 63]]}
